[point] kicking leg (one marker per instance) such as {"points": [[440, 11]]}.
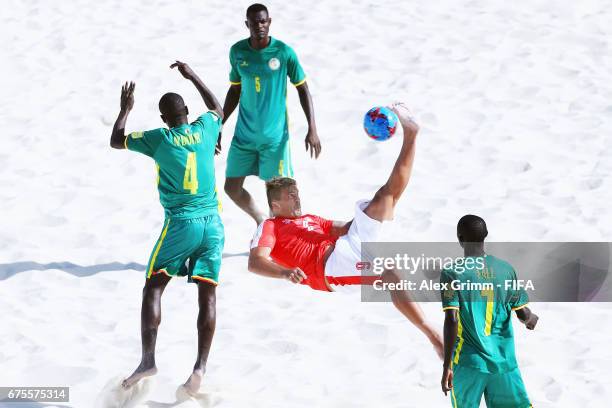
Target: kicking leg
{"points": [[384, 201], [206, 329], [235, 190], [381, 208], [150, 317], [413, 312]]}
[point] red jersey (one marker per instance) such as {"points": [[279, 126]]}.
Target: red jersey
{"points": [[298, 242]]}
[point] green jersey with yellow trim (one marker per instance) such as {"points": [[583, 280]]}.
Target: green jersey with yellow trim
{"points": [[262, 74], [484, 291], [184, 157]]}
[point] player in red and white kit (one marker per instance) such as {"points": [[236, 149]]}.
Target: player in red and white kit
{"points": [[321, 253]]}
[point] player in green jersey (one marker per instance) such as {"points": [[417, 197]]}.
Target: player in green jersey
{"points": [[260, 66], [192, 238], [479, 355]]}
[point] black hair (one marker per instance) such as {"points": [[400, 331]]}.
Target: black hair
{"points": [[172, 105], [256, 8], [472, 228]]}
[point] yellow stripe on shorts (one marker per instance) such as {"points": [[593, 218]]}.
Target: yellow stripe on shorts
{"points": [[159, 244], [454, 399], [460, 344]]}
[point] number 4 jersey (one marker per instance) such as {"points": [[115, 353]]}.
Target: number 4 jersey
{"points": [[485, 340], [184, 158]]}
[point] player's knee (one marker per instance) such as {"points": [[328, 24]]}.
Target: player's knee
{"points": [[386, 196], [150, 292], [383, 192], [155, 321], [390, 276], [151, 317]]}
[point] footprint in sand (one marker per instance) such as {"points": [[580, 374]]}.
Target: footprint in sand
{"points": [[284, 347], [553, 391]]}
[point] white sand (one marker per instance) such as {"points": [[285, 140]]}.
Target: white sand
{"points": [[514, 103]]}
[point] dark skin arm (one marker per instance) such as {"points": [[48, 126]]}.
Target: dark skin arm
{"points": [[231, 101], [117, 139], [527, 317], [209, 99], [312, 141], [450, 335]]}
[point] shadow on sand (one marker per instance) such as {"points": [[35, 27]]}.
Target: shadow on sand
{"points": [[10, 269]]}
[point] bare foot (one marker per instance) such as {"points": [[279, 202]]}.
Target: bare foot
{"points": [[140, 373], [192, 385], [405, 117]]}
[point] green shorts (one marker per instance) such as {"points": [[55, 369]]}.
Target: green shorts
{"points": [[503, 390], [197, 240], [264, 160]]}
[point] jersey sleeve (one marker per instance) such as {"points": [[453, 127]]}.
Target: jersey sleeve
{"points": [[264, 236], [450, 298], [144, 142], [210, 125], [518, 297], [294, 69], [234, 75], [326, 225]]}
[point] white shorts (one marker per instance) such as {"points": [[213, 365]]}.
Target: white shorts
{"points": [[343, 260]]}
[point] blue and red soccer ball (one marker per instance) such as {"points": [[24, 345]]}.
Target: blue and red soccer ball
{"points": [[380, 123]]}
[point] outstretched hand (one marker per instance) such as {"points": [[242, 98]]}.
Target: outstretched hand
{"points": [[312, 141], [127, 96], [184, 69]]}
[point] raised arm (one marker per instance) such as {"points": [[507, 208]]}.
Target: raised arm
{"points": [[312, 138], [209, 99], [450, 335], [527, 317], [261, 264], [231, 101], [117, 139]]}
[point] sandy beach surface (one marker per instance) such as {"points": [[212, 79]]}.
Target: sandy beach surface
{"points": [[515, 107]]}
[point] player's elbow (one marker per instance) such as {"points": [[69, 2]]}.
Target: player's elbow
{"points": [[115, 144], [219, 112], [252, 264], [117, 140]]}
